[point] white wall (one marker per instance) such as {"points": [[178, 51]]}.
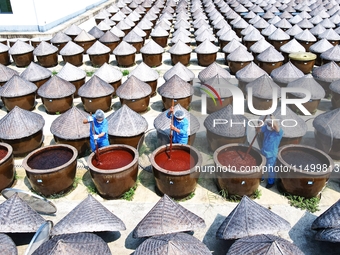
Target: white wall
{"points": [[42, 15]]}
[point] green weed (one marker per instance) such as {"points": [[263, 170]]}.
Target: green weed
{"points": [[125, 72], [128, 195], [309, 204], [90, 73]]}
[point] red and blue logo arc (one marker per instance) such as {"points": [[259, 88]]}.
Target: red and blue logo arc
{"points": [[211, 92]]}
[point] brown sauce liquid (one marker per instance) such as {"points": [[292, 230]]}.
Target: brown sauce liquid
{"points": [[50, 159], [236, 159], [113, 160], [3, 153], [179, 160]]}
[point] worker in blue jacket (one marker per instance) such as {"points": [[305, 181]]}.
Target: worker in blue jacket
{"points": [[179, 127], [99, 132], [272, 135]]}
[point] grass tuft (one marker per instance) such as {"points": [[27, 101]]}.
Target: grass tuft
{"points": [[309, 204], [237, 198], [125, 72]]}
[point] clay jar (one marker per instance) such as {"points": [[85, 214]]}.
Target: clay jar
{"points": [[176, 183], [303, 60], [51, 169], [235, 180], [300, 181], [7, 170], [120, 173]]}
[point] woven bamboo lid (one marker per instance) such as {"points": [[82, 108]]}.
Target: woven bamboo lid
{"points": [[79, 243], [167, 217], [152, 48], [103, 26], [20, 123], [328, 72], [263, 87], [109, 22], [240, 55], [294, 30], [328, 219], [263, 244], [98, 49], [305, 24], [17, 87], [60, 37], [321, 46], [328, 123], [73, 30], [144, 24], [270, 55], [241, 23], [180, 48], [268, 30], [70, 72], [306, 36], [162, 122], [253, 36], [308, 82], [3, 48], [119, 16], [291, 119], [123, 25], [108, 73], [181, 71], [164, 23], [109, 37], [6, 73], [268, 15], [20, 47], [95, 87], [96, 32], [139, 32], [16, 216], [181, 30], [126, 123], [295, 20], [292, 46], [69, 125], [71, 49], [249, 219], [88, 216], [206, 47], [261, 24], [332, 54], [212, 70], [260, 46], [144, 73], [132, 37], [84, 37], [56, 88], [171, 244], [229, 36], [35, 72], [7, 246], [317, 30], [328, 235], [124, 49], [232, 46], [205, 35], [133, 88], [219, 83], [102, 15], [283, 24], [249, 73], [175, 87], [334, 86], [286, 73], [44, 49], [181, 37], [226, 130], [117, 32], [158, 31]]}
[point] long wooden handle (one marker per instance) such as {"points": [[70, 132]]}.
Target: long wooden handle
{"points": [[172, 123], [252, 142]]}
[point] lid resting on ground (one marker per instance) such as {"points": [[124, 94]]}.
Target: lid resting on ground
{"points": [[167, 217], [249, 219], [88, 216]]}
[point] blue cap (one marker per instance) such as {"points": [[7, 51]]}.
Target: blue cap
{"points": [[99, 114], [179, 114]]}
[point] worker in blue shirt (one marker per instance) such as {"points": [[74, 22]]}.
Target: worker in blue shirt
{"points": [[100, 130], [272, 135], [179, 127]]}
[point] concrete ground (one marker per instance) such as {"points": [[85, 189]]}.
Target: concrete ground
{"points": [[206, 202]]}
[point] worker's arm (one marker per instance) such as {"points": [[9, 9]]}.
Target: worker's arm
{"points": [[275, 124]]}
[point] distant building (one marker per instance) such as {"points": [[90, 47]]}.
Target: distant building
{"points": [[40, 15]]}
